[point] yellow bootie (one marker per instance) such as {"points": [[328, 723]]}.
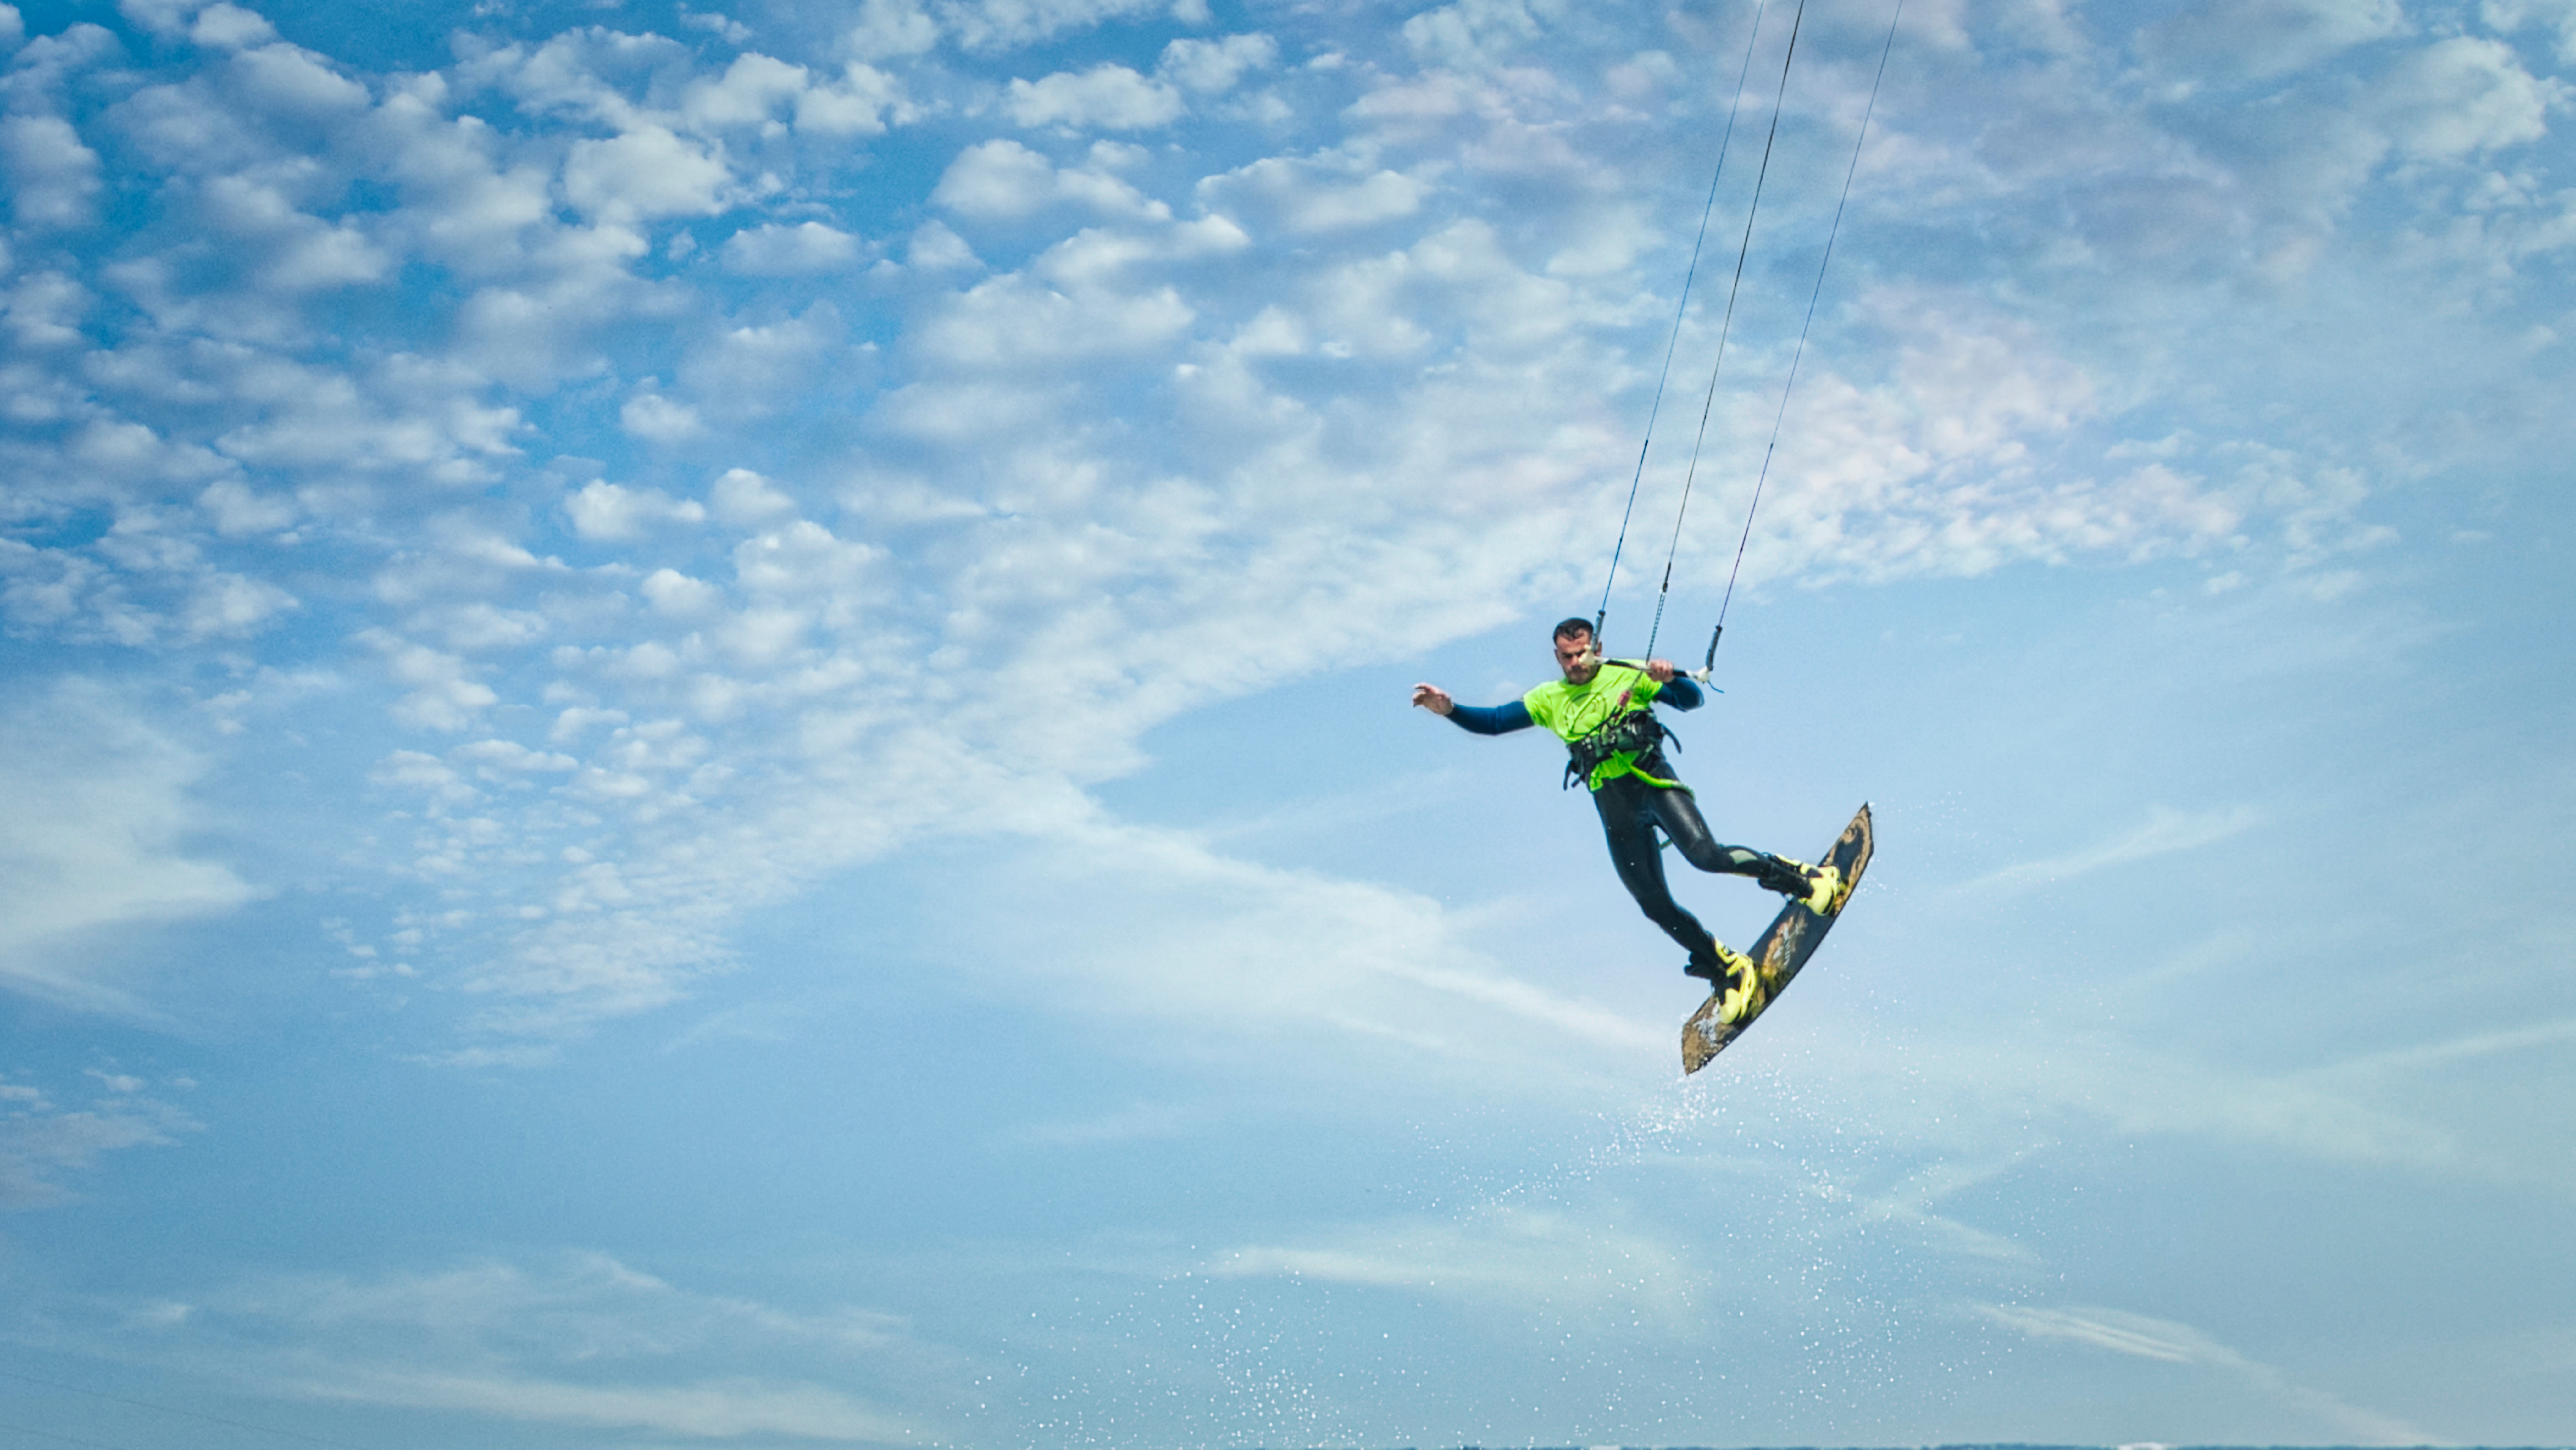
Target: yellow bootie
{"points": [[1746, 991]]}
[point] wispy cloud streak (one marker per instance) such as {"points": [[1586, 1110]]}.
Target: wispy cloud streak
{"points": [[2166, 832], [2164, 1340]]}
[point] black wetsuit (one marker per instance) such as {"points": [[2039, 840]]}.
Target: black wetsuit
{"points": [[1633, 810]]}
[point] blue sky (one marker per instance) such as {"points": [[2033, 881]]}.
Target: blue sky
{"points": [[706, 738]]}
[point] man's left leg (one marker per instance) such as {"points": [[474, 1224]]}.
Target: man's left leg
{"points": [[1627, 824]]}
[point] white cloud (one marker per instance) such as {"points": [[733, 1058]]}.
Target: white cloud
{"points": [[2513, 15], [1311, 196], [716, 23], [532, 330], [328, 256], [1249, 953], [1107, 97], [2173, 1343], [996, 178], [1368, 309], [601, 510], [1612, 243], [2464, 95], [1499, 1255], [752, 90], [936, 248], [716, 1410], [1271, 333], [41, 1143], [995, 25], [863, 102], [53, 176], [291, 80], [1213, 66], [231, 606], [644, 174], [229, 27], [408, 419], [573, 1340], [1007, 323], [2107, 1329], [99, 810], [744, 500], [2166, 831], [802, 564], [1003, 179], [501, 759], [160, 17], [771, 250], [303, 252], [2253, 40], [239, 510], [582, 74], [2093, 1080], [444, 695], [191, 126], [1101, 258], [480, 628], [1940, 469], [657, 419], [45, 310], [676, 594], [1478, 34], [890, 29], [471, 204], [751, 370]]}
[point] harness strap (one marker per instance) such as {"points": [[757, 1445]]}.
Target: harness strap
{"points": [[1636, 733]]}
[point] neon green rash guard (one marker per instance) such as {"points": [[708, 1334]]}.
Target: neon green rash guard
{"points": [[1574, 711]]}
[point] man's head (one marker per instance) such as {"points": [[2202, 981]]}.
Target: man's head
{"points": [[1576, 653]]}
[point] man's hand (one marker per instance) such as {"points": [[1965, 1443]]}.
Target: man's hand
{"points": [[1434, 699], [1661, 671]]}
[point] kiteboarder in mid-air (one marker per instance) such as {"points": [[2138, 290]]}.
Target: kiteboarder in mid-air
{"points": [[1604, 711]]}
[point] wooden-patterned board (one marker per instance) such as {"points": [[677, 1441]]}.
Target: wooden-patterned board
{"points": [[1782, 949]]}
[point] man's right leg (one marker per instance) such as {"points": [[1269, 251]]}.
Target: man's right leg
{"points": [[1627, 823]]}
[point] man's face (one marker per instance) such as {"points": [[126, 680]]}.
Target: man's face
{"points": [[1575, 657]]}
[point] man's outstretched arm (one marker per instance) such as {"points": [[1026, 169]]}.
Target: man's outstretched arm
{"points": [[1479, 719]]}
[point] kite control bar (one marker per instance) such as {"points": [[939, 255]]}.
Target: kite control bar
{"points": [[1701, 674]]}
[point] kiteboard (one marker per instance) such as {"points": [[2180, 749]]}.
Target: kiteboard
{"points": [[1782, 949]]}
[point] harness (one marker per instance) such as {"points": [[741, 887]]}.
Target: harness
{"points": [[1632, 732]]}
